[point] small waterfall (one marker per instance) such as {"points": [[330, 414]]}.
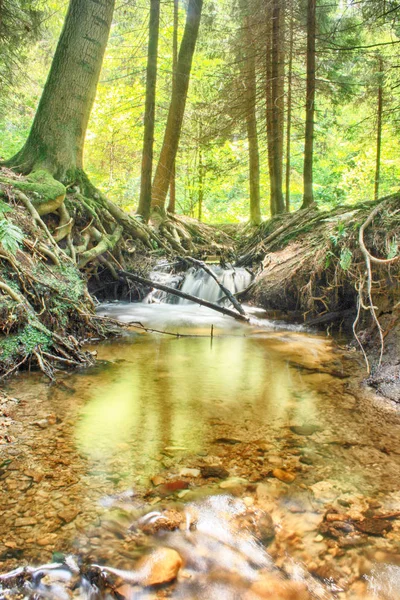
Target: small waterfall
{"points": [[200, 284], [197, 282]]}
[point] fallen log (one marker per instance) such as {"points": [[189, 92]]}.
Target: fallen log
{"points": [[169, 290], [227, 293]]}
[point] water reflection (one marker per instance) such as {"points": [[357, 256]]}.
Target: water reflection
{"points": [[155, 404], [164, 392]]}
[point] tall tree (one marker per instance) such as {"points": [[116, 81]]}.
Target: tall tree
{"points": [[275, 102], [172, 185], [149, 114], [308, 195], [379, 130], [289, 111], [176, 111], [56, 139], [249, 82]]}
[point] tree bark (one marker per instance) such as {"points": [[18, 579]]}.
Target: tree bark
{"points": [[277, 103], [200, 179], [177, 107], [308, 196], [150, 109], [269, 105], [56, 139], [172, 185], [249, 78], [379, 133], [289, 113]]}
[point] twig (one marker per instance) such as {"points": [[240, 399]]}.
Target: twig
{"points": [[228, 293]]}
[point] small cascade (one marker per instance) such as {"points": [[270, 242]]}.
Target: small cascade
{"points": [[197, 282], [162, 274], [200, 284]]}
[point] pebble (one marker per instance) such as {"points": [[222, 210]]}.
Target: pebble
{"points": [[68, 515], [214, 471], [158, 480], [284, 476], [271, 587], [25, 521], [161, 566], [305, 429], [189, 472]]}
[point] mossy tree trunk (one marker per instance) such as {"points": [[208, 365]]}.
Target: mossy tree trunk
{"points": [[56, 139], [176, 112]]}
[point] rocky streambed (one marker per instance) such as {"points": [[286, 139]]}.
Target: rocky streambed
{"points": [[250, 467]]}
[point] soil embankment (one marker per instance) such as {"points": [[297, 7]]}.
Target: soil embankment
{"points": [[336, 268]]}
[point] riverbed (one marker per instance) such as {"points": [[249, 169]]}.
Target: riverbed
{"points": [[254, 448]]}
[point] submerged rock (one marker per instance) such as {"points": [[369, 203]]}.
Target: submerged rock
{"points": [[214, 471], [272, 587], [374, 526], [161, 566], [305, 429], [284, 476]]}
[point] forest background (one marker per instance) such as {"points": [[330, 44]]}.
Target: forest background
{"points": [[357, 97]]}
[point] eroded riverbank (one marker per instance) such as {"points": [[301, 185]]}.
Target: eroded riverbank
{"points": [[306, 466]]}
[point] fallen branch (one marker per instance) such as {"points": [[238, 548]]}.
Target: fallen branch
{"points": [[165, 288], [228, 293]]}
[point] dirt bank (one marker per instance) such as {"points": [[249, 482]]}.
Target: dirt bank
{"points": [[336, 269]]}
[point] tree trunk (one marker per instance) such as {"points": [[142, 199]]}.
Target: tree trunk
{"points": [[289, 113], [269, 105], [172, 185], [200, 182], [149, 115], [177, 107], [308, 197], [56, 139], [379, 132], [249, 78], [277, 104]]}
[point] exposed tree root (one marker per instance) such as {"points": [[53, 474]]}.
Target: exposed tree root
{"points": [[74, 236], [318, 263]]}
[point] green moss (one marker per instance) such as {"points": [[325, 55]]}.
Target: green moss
{"points": [[40, 185], [65, 280], [24, 341]]}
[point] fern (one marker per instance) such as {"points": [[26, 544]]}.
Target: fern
{"points": [[11, 236], [4, 208], [346, 258]]}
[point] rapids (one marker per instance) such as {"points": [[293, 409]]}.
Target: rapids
{"points": [[254, 454]]}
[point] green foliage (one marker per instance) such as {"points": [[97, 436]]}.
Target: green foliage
{"points": [[340, 234], [4, 208], [346, 257], [11, 236], [25, 341], [346, 105], [393, 248]]}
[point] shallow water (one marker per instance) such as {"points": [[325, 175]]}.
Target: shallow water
{"points": [[76, 472]]}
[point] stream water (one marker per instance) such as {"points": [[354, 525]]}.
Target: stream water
{"points": [[252, 454]]}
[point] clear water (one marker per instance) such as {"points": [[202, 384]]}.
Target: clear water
{"points": [[76, 472]]}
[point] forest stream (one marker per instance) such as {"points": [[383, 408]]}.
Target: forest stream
{"points": [[245, 464]]}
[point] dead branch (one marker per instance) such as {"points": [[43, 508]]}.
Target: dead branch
{"points": [[180, 294], [228, 293]]}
